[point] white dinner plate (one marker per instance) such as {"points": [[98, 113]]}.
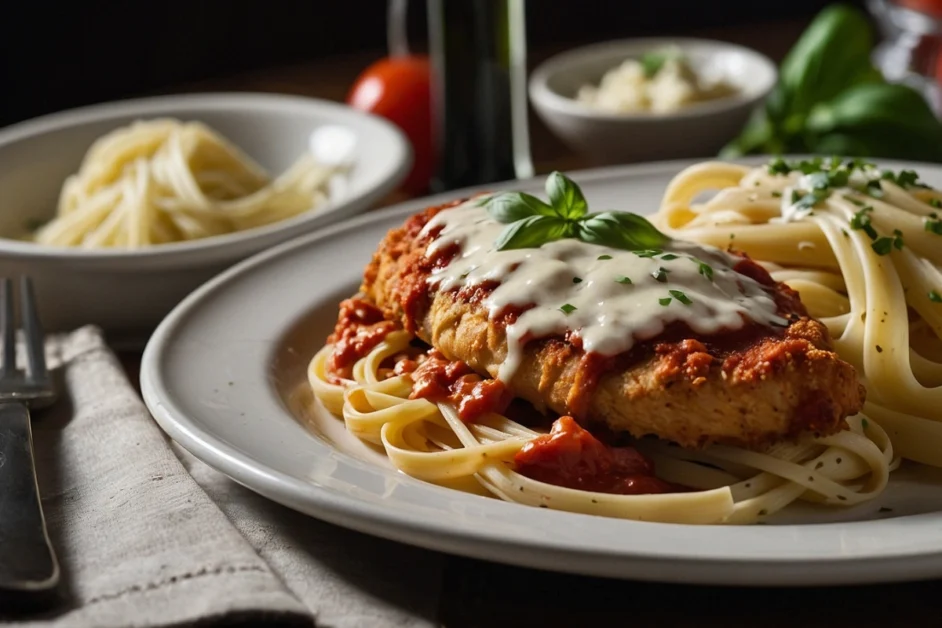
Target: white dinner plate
{"points": [[224, 375]]}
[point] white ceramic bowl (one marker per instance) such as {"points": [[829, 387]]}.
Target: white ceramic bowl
{"points": [[128, 293], [699, 130]]}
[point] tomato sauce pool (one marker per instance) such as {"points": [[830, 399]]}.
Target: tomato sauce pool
{"points": [[571, 457]]}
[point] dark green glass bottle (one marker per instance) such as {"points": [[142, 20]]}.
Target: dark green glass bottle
{"points": [[478, 54]]}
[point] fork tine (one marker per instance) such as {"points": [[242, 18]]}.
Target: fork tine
{"points": [[35, 348], [7, 328]]}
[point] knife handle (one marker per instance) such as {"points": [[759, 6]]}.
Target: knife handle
{"points": [[27, 560]]}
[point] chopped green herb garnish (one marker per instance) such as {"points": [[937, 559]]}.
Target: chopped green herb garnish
{"points": [[648, 253], [864, 423], [605, 257], [680, 296], [779, 166], [905, 178], [838, 178], [861, 220], [934, 202], [935, 297], [654, 60], [844, 231], [884, 245], [732, 236], [664, 301], [818, 180], [885, 509], [874, 188], [668, 256], [660, 274], [577, 280], [809, 166], [706, 270], [810, 199], [567, 308], [776, 194], [934, 226], [623, 279]]}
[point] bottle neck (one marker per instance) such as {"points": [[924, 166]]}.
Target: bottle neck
{"points": [[478, 53]]}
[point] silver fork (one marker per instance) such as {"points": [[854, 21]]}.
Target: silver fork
{"points": [[27, 560]]}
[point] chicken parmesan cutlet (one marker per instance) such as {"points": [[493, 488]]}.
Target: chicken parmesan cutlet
{"points": [[688, 343]]}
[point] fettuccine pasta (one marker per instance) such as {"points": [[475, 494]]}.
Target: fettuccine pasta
{"points": [[430, 442], [863, 249]]}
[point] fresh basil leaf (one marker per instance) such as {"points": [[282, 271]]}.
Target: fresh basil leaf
{"points": [[621, 230], [873, 105], [888, 120], [832, 54], [532, 232], [513, 206], [565, 196]]}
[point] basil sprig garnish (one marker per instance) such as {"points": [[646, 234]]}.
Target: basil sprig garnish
{"points": [[532, 222]]}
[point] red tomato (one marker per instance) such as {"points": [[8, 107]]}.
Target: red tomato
{"points": [[398, 89]]}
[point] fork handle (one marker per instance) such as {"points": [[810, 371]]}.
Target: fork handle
{"points": [[27, 560]]}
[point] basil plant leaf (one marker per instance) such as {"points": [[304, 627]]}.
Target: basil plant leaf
{"points": [[532, 232], [513, 206], [887, 120], [832, 54], [565, 196], [876, 105], [621, 230]]}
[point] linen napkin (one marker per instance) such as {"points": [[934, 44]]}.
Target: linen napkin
{"points": [[147, 535]]}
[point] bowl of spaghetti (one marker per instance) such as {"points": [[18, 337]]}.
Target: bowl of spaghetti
{"points": [[119, 210]]}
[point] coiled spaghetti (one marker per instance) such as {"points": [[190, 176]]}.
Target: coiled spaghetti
{"points": [[162, 181]]}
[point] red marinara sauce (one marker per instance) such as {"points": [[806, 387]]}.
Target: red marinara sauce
{"points": [[360, 327], [437, 377], [571, 457]]}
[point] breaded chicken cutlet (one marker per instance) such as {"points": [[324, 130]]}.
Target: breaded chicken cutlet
{"points": [[693, 346]]}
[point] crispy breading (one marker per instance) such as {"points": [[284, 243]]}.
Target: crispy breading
{"points": [[751, 388]]}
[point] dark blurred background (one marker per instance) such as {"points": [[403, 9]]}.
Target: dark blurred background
{"points": [[60, 55]]}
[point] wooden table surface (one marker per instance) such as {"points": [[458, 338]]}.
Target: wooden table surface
{"points": [[476, 593]]}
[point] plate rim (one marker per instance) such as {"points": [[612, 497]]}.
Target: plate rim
{"points": [[350, 512]]}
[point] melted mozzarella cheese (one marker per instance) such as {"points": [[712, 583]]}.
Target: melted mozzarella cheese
{"points": [[574, 286]]}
